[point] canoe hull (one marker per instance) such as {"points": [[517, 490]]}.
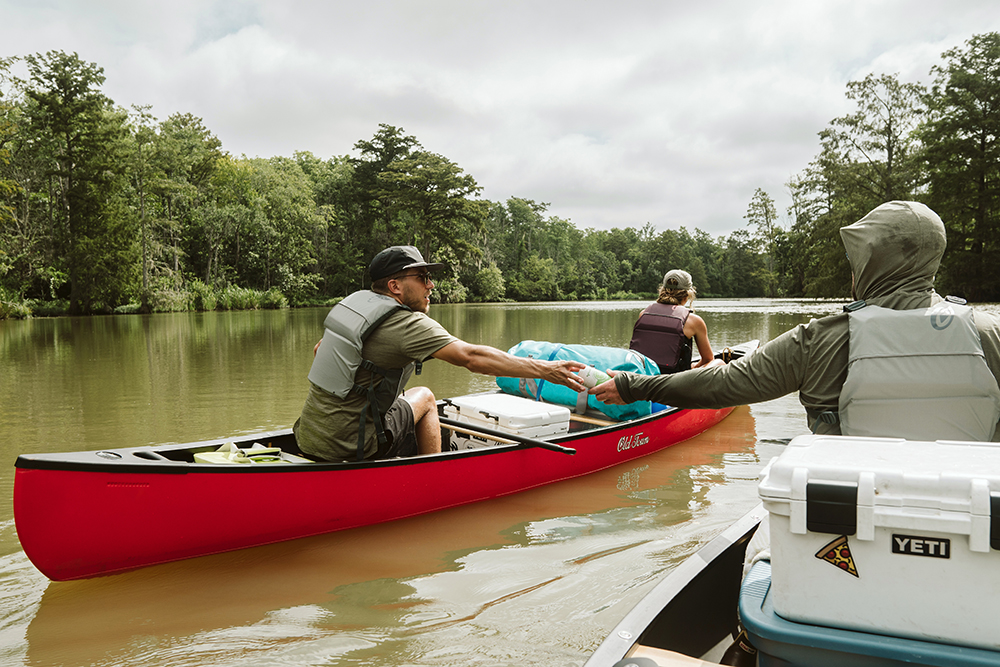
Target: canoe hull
{"points": [[84, 515]]}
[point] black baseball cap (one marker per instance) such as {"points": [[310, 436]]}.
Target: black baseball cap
{"points": [[399, 258]]}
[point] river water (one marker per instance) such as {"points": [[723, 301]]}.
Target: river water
{"points": [[537, 578]]}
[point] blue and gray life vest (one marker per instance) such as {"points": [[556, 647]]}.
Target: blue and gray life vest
{"points": [[338, 358], [918, 374]]}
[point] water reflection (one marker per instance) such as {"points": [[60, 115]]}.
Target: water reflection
{"points": [[80, 383]]}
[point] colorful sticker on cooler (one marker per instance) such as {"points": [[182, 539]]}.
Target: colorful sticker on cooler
{"points": [[838, 553]]}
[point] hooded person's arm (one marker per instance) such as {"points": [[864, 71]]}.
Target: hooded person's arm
{"points": [[776, 369]]}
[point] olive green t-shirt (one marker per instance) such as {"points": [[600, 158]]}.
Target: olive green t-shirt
{"points": [[328, 427]]}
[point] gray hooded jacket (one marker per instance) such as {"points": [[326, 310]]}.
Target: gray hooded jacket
{"points": [[894, 252]]}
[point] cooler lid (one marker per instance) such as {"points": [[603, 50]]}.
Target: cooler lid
{"points": [[943, 475], [850, 485], [510, 410]]}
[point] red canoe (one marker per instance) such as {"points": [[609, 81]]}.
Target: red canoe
{"points": [[87, 514]]}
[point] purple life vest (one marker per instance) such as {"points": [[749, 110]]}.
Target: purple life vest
{"points": [[659, 334]]}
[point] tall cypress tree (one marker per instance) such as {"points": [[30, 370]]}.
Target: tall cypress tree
{"points": [[962, 154], [84, 135]]}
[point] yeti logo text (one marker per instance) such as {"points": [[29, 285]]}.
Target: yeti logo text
{"points": [[914, 545], [630, 441]]}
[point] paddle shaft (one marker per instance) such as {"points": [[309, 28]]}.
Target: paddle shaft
{"points": [[520, 439], [469, 431]]}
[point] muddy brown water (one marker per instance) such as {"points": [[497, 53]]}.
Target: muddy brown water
{"points": [[537, 578]]}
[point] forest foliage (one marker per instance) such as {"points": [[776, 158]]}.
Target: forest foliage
{"points": [[105, 208]]}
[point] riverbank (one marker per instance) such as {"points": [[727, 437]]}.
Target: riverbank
{"points": [[201, 298], [198, 298]]}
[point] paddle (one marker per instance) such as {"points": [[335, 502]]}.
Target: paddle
{"points": [[520, 439]]}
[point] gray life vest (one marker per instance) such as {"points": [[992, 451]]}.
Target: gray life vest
{"points": [[338, 358], [918, 374]]}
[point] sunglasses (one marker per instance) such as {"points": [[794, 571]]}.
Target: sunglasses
{"points": [[426, 277]]}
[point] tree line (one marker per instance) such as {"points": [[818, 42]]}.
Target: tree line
{"points": [[104, 208]]}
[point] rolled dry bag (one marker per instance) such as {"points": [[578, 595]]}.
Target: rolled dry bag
{"points": [[603, 358]]}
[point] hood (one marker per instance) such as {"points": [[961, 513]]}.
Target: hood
{"points": [[895, 252]]}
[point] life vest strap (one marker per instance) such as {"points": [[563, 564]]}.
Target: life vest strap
{"points": [[817, 417], [372, 404]]}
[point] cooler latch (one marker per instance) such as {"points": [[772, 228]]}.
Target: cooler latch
{"points": [[832, 507], [995, 521]]}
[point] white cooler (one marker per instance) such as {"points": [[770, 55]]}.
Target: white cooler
{"points": [[507, 413], [887, 536]]}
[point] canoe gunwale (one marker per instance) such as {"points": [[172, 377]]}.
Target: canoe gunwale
{"points": [[160, 464], [655, 619]]}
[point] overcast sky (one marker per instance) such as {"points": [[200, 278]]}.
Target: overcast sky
{"points": [[615, 112]]}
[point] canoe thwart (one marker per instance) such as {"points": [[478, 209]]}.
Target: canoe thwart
{"points": [[469, 431], [591, 420], [519, 439]]}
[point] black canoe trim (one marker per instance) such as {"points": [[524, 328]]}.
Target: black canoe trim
{"points": [[694, 607], [177, 459]]}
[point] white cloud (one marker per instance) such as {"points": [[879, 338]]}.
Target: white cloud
{"points": [[616, 112]]}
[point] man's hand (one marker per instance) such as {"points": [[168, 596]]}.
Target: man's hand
{"points": [[607, 392], [491, 361], [564, 373]]}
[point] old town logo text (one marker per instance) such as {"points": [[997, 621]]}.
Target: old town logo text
{"points": [[631, 441]]}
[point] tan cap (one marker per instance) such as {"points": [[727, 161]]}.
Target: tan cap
{"points": [[677, 279]]}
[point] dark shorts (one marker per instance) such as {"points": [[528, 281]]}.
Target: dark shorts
{"points": [[400, 428]]}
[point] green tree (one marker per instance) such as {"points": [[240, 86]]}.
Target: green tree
{"points": [[706, 252], [523, 217], [489, 284], [743, 265], [962, 153], [279, 247], [490, 239], [86, 139], [337, 248], [433, 196], [404, 194], [8, 130], [866, 158], [143, 134], [536, 281], [186, 156], [448, 287], [11, 236], [762, 215], [813, 253], [877, 140], [373, 220], [29, 264]]}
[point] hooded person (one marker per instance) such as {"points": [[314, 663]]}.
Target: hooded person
{"points": [[895, 252]]}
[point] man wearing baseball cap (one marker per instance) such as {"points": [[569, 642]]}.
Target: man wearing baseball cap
{"points": [[374, 340]]}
